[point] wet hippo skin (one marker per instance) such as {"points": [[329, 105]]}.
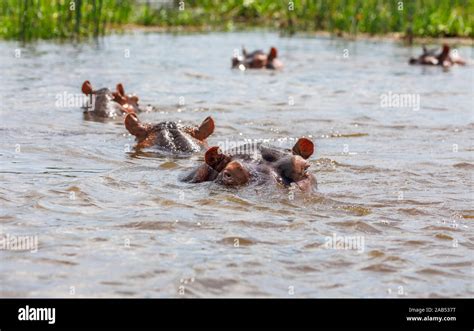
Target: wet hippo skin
{"points": [[170, 136], [270, 165]]}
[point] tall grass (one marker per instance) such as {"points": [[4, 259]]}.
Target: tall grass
{"points": [[33, 19]]}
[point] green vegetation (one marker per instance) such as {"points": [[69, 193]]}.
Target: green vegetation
{"points": [[33, 19]]}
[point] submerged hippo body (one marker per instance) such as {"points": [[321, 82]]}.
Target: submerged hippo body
{"points": [[105, 103], [445, 58], [267, 165], [257, 60], [170, 136]]}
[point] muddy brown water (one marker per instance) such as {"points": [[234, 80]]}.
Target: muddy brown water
{"points": [[395, 183]]}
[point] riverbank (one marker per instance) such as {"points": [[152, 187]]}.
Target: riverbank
{"points": [[55, 19]]}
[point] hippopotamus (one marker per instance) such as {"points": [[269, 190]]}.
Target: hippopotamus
{"points": [[445, 58], [105, 103], [268, 164], [257, 60], [170, 136]]}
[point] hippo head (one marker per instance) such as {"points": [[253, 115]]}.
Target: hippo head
{"points": [[100, 100], [127, 101], [170, 135], [106, 103], [257, 60], [231, 172], [294, 168]]}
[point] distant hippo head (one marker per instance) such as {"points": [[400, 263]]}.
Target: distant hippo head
{"points": [[170, 136], [257, 60], [105, 103], [445, 58]]}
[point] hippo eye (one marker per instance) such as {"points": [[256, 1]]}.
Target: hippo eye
{"points": [[227, 175]]}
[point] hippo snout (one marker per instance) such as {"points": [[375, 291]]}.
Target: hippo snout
{"points": [[234, 174]]}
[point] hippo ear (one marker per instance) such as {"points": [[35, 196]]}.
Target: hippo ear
{"points": [[213, 156], [205, 129], [304, 148], [120, 89], [87, 88], [134, 126], [273, 53], [216, 159]]}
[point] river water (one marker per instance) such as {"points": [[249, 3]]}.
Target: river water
{"points": [[392, 216]]}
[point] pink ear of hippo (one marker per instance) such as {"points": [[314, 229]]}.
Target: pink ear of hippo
{"points": [[134, 126], [87, 88], [212, 156], [120, 89], [205, 129], [303, 147], [273, 54]]}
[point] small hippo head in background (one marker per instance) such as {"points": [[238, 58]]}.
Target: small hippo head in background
{"points": [[170, 136], [257, 60], [106, 103], [445, 58]]}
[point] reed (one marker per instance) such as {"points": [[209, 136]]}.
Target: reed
{"points": [[42, 19]]}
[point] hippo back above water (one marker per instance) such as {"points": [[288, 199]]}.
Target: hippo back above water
{"points": [[170, 136]]}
